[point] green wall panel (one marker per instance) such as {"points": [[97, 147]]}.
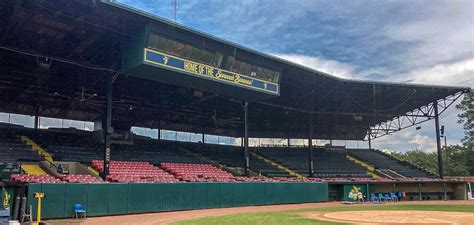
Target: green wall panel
{"points": [[31, 200], [118, 198], [154, 195], [75, 194], [52, 206], [269, 193], [226, 195], [214, 195], [186, 196], [299, 193], [238, 194], [322, 190], [97, 199], [137, 197], [288, 194], [250, 196], [259, 193], [279, 198], [200, 195], [171, 198]]}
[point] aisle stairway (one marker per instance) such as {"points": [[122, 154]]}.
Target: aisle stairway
{"points": [[370, 169], [281, 167], [32, 169], [36, 148]]}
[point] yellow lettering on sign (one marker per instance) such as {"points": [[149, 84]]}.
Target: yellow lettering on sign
{"points": [[241, 80], [224, 76], [209, 71], [191, 67]]}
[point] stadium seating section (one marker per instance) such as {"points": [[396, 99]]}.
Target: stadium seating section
{"points": [[384, 162], [13, 150], [28, 178], [232, 156], [126, 171], [148, 160], [197, 172], [80, 178], [327, 163]]}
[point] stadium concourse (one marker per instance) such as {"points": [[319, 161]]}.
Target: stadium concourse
{"points": [[112, 69]]}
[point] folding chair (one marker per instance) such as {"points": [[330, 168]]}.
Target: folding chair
{"points": [[78, 210], [381, 198], [373, 198], [394, 197], [387, 197]]}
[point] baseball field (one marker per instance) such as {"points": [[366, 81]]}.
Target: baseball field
{"points": [[416, 212]]}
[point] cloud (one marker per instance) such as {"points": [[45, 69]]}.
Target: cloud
{"points": [[457, 73], [441, 33], [428, 42], [332, 67]]}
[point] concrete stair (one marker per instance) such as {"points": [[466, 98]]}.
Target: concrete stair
{"points": [[291, 172], [32, 169]]}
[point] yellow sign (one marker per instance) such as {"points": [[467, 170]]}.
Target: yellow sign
{"points": [[164, 60]]}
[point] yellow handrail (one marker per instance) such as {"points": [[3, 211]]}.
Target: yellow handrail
{"points": [[36, 148], [370, 169]]}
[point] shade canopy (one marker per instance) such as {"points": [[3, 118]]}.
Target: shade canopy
{"points": [[55, 56]]}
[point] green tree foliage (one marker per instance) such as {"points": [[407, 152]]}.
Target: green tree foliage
{"points": [[466, 117]]}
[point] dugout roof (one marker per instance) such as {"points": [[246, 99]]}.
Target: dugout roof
{"points": [[55, 55]]}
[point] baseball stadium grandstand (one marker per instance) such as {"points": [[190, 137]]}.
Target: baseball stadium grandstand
{"points": [[111, 68]]}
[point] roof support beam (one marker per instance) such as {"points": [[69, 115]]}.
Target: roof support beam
{"points": [[412, 118]]}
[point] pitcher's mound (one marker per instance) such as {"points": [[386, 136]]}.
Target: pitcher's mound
{"points": [[396, 217]]}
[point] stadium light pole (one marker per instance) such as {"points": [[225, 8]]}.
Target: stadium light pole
{"points": [[108, 127], [246, 139], [438, 140]]}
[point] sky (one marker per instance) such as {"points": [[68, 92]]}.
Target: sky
{"points": [[429, 42]]}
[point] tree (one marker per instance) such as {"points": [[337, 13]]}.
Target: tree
{"points": [[466, 117]]}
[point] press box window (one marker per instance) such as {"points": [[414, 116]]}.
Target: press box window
{"points": [[184, 51], [244, 68]]}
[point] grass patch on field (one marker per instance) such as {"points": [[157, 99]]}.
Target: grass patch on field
{"points": [[294, 217], [256, 218]]}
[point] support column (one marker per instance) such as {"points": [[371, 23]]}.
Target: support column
{"points": [[419, 192], [367, 187], [370, 140], [203, 137], [108, 128], [246, 140], [438, 141], [36, 125], [445, 194], [310, 147]]}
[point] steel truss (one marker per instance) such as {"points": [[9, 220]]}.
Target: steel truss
{"points": [[411, 118]]}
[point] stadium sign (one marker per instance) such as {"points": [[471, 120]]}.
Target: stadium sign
{"points": [[163, 60]]}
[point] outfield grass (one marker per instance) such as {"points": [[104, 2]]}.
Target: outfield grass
{"points": [[256, 218], [292, 217]]}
